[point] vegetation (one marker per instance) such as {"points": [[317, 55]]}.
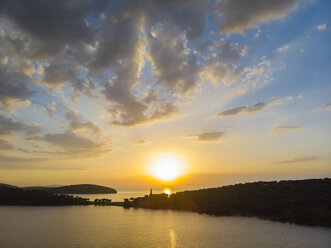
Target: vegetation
{"points": [[19, 196], [12, 195], [76, 189], [306, 202], [102, 201]]}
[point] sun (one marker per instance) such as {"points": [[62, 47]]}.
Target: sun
{"points": [[167, 167], [167, 191]]}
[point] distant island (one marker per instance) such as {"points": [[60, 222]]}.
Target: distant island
{"points": [[305, 202], [76, 189], [52, 196]]}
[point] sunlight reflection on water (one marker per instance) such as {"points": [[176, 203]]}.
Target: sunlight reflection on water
{"points": [[172, 236]]}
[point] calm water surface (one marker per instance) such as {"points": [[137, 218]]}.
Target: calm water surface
{"points": [[109, 226]]}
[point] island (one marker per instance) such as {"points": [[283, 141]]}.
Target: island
{"points": [[76, 189], [53, 196]]}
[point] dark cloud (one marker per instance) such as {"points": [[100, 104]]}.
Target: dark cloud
{"points": [[65, 69], [14, 86], [243, 109], [211, 136], [173, 61], [239, 15], [286, 128], [9, 126], [54, 24], [71, 140], [297, 160]]}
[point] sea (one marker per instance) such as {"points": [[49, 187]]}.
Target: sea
{"points": [[111, 226]]}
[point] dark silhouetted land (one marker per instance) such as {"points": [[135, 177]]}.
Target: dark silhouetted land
{"points": [[305, 202], [52, 196], [76, 189], [11, 195]]}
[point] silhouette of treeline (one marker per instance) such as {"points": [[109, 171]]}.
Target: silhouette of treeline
{"points": [[102, 201], [77, 189], [33, 196], [11, 195], [305, 202]]}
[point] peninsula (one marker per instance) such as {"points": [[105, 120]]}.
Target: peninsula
{"points": [[305, 202]]}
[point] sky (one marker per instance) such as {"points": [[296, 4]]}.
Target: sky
{"points": [[93, 91]]}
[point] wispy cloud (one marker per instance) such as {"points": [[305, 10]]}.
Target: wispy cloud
{"points": [[283, 48], [326, 107], [211, 136], [141, 142], [278, 129], [321, 27], [249, 109], [243, 109], [297, 160]]}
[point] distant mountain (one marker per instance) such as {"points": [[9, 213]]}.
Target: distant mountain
{"points": [[76, 189]]}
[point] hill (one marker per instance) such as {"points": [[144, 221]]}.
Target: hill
{"points": [[10, 195], [306, 202], [76, 189]]}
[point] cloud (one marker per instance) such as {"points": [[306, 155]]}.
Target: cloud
{"points": [[283, 48], [75, 125], [71, 140], [50, 108], [326, 107], [9, 126], [14, 88], [257, 107], [43, 21], [211, 136], [278, 129], [61, 70], [99, 50], [6, 145], [222, 73], [173, 61], [237, 15], [141, 142], [72, 146], [297, 160], [222, 50], [243, 109], [321, 27], [128, 110]]}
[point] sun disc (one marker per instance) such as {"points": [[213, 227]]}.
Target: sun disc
{"points": [[167, 167], [167, 191]]}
